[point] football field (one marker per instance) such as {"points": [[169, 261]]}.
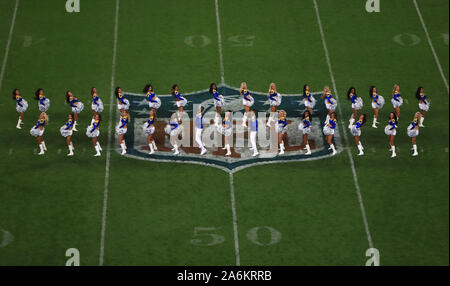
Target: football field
{"points": [[118, 210]]}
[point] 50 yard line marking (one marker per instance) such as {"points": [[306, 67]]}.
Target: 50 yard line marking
{"points": [[8, 43], [108, 152], [352, 163], [438, 63], [232, 197]]}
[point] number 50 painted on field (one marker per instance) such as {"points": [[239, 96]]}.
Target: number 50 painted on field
{"points": [[207, 236]]}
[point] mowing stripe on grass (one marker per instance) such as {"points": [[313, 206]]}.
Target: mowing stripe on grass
{"points": [[8, 43], [108, 152], [219, 41], [352, 163], [438, 63]]}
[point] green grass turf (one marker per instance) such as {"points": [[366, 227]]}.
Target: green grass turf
{"points": [[52, 203]]}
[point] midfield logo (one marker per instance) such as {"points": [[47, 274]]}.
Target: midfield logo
{"points": [[241, 156]]}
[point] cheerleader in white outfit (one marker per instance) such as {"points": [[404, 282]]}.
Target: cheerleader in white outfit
{"points": [[181, 101], [305, 128], [21, 106], [397, 100], [275, 101], [122, 102], [43, 102], [310, 101], [413, 131], [424, 104], [38, 132], [377, 104], [330, 102], [391, 130], [77, 107], [281, 129], [97, 103], [149, 129], [219, 101], [173, 129], [356, 131], [328, 131], [93, 131], [121, 129], [226, 129], [253, 132], [66, 131], [247, 101], [199, 129], [357, 104], [153, 101]]}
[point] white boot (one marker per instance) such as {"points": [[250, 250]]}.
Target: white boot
{"points": [[97, 148], [415, 150], [393, 152], [18, 123], [70, 150], [175, 148], [244, 120], [308, 150], [421, 121], [124, 148], [327, 119], [281, 148], [374, 124], [151, 149], [334, 149], [228, 150], [71, 144], [351, 121], [45, 146], [203, 152], [255, 152], [41, 147], [74, 126], [269, 120], [360, 148], [154, 145]]}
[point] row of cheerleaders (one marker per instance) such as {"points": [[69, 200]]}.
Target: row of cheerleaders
{"points": [[225, 125]]}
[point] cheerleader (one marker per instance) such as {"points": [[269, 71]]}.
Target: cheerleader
{"points": [[226, 129], [357, 104], [305, 128], [281, 129], [219, 101], [93, 131], [77, 107], [424, 104], [38, 132], [121, 129], [377, 104], [356, 131], [413, 131], [43, 102], [328, 131], [247, 101], [97, 103], [21, 106], [199, 129], [310, 101], [391, 130], [149, 129], [66, 131], [173, 129], [397, 100], [181, 101], [275, 101], [153, 101], [253, 132], [330, 102], [122, 102]]}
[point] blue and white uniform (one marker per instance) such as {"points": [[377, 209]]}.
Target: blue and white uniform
{"points": [[247, 99], [198, 131], [356, 129], [43, 103], [391, 128], [21, 104], [93, 130], [357, 102], [226, 128], [122, 102], [310, 101], [274, 98], [424, 104], [329, 128], [148, 126], [413, 128], [254, 133], [36, 130], [377, 101], [397, 99], [282, 125], [76, 105], [66, 129], [153, 100], [305, 125], [219, 101], [121, 128], [330, 102], [181, 101], [173, 128], [97, 103]]}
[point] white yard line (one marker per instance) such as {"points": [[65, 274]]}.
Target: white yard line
{"points": [[108, 152], [352, 163], [219, 40], [8, 43], [438, 63]]}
